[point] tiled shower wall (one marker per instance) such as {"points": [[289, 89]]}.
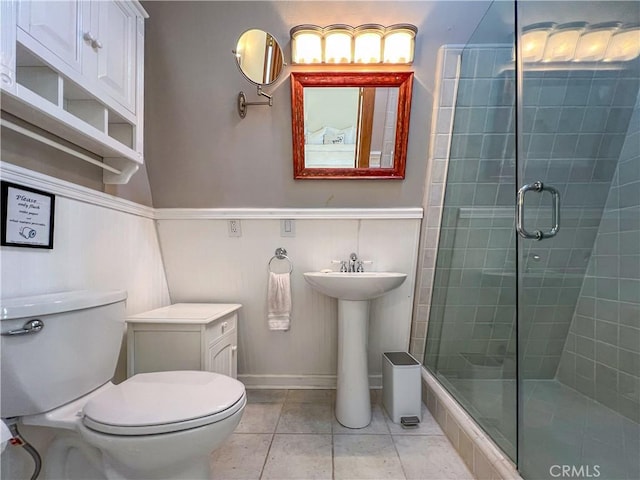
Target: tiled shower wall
{"points": [[434, 193], [480, 235], [574, 125], [601, 357], [473, 308]]}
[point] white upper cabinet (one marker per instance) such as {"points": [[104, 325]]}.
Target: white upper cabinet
{"points": [[55, 25], [110, 50], [76, 69], [8, 46]]}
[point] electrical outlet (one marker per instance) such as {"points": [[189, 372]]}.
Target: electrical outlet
{"points": [[234, 228]]}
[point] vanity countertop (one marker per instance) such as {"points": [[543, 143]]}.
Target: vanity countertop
{"points": [[188, 313]]}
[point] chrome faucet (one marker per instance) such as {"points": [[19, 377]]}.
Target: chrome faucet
{"points": [[353, 265], [353, 258]]}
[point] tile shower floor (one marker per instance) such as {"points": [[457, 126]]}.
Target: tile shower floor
{"points": [[293, 434], [561, 427]]}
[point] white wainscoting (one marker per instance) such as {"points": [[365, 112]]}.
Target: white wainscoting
{"points": [[204, 264], [100, 242], [103, 242]]}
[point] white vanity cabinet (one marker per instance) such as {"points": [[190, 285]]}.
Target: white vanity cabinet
{"points": [[184, 336], [75, 68]]}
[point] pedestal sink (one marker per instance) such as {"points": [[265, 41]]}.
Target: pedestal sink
{"points": [[353, 291]]}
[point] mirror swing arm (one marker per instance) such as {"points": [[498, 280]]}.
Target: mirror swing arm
{"points": [[260, 60], [243, 104]]}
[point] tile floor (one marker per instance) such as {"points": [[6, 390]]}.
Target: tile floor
{"points": [[293, 434]]}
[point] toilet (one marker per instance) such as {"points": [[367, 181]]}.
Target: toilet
{"points": [[59, 352]]}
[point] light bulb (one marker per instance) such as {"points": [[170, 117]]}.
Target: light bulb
{"points": [[306, 44], [368, 43], [399, 43], [337, 43], [624, 45]]}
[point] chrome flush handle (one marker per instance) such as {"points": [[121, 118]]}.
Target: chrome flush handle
{"points": [[32, 326]]}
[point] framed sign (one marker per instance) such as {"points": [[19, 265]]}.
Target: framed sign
{"points": [[27, 216]]}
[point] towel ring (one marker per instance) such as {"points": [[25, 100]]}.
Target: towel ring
{"points": [[281, 254]]}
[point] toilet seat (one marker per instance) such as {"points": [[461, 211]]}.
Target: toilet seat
{"points": [[164, 402]]}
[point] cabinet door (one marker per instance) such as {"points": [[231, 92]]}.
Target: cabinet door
{"points": [[55, 25], [161, 351], [8, 45], [221, 356], [110, 58]]}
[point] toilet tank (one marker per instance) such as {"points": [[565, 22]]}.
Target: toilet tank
{"points": [[74, 353]]}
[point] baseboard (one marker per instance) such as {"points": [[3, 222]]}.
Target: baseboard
{"points": [[299, 381]]}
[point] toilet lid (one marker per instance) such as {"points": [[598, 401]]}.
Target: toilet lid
{"points": [[162, 402]]}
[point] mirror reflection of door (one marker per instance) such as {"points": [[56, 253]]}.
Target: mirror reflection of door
{"points": [[350, 127], [273, 60]]}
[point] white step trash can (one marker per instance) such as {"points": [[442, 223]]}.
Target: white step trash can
{"points": [[401, 388]]}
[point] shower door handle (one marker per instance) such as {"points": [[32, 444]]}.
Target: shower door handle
{"points": [[555, 211]]}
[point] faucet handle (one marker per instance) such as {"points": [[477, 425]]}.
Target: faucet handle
{"points": [[343, 265], [360, 265]]}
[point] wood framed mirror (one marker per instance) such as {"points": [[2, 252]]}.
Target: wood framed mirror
{"points": [[350, 125]]}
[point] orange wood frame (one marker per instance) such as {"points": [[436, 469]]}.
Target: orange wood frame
{"points": [[299, 80]]}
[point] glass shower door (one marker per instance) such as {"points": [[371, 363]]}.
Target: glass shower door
{"points": [[578, 223], [534, 321], [471, 342]]}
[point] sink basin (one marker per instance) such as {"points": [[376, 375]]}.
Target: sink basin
{"points": [[355, 286]]}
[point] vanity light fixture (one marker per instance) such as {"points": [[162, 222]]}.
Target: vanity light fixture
{"points": [[343, 44], [579, 42]]}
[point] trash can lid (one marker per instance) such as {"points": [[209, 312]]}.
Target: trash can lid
{"points": [[401, 358]]}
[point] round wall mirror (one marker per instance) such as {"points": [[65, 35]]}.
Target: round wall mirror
{"points": [[259, 57]]}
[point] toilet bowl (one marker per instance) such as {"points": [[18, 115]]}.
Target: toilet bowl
{"points": [[160, 425]]}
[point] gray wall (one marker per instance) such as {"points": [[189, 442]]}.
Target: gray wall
{"points": [[200, 153]]}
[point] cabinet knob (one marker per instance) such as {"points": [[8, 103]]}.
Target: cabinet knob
{"points": [[224, 326], [95, 43], [234, 348]]}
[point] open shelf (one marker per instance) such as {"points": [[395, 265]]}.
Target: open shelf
{"points": [[49, 100]]}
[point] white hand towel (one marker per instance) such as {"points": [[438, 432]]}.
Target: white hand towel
{"points": [[279, 301]]}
